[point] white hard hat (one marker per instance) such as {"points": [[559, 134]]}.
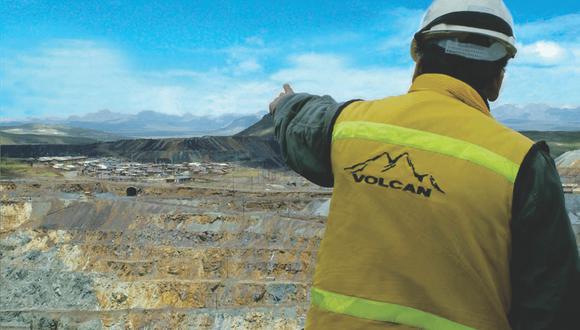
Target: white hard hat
{"points": [[448, 19]]}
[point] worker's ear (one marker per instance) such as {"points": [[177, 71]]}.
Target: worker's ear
{"points": [[493, 88]]}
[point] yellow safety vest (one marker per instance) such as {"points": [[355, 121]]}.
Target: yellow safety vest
{"points": [[418, 233]]}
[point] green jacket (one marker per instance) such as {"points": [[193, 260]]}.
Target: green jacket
{"points": [[545, 267]]}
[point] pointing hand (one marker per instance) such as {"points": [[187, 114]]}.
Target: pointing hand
{"points": [[287, 91]]}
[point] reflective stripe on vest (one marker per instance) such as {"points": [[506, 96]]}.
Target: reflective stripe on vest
{"points": [[428, 142], [379, 311]]}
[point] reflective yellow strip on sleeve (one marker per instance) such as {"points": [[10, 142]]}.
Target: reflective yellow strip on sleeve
{"points": [[429, 142], [380, 311]]}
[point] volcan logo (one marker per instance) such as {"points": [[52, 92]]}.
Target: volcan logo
{"points": [[397, 173]]}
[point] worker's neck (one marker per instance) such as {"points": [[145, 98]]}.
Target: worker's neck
{"points": [[482, 92], [483, 96]]}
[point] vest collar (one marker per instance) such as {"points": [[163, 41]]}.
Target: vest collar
{"points": [[452, 87]]}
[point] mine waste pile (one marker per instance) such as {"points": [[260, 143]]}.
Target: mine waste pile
{"points": [[83, 255], [253, 151]]}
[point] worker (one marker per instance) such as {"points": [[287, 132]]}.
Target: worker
{"points": [[441, 217]]}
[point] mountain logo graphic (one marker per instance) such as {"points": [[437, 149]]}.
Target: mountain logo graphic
{"points": [[406, 178]]}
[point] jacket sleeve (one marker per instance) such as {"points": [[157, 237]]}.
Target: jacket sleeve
{"points": [[303, 127], [545, 268]]}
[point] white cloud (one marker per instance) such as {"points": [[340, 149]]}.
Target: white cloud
{"points": [[71, 74], [76, 77], [246, 58], [546, 49], [543, 52], [248, 66], [547, 66], [554, 85], [68, 77], [334, 75]]}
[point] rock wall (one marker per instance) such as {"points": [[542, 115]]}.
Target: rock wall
{"points": [[204, 262], [13, 214]]}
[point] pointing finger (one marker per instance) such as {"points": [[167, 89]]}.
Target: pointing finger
{"points": [[288, 89]]}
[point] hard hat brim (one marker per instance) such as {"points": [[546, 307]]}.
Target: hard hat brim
{"points": [[442, 31], [446, 30]]}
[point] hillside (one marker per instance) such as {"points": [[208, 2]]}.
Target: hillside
{"points": [[52, 134], [251, 151], [152, 124], [538, 117], [264, 127]]}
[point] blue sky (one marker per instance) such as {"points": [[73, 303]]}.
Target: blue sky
{"points": [[59, 58]]}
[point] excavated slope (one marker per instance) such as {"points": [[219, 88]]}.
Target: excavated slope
{"points": [[185, 258], [569, 166]]}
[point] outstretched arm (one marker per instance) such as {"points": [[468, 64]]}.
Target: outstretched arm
{"points": [[303, 126]]}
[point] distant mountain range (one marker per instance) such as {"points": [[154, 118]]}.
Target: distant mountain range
{"points": [[538, 117], [151, 124], [106, 125]]}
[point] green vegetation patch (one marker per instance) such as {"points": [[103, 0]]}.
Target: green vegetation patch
{"points": [[15, 168], [558, 141]]}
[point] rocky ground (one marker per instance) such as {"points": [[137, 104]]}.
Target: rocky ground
{"points": [[173, 257]]}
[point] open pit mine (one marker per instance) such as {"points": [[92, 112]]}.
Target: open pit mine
{"points": [[229, 249]]}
